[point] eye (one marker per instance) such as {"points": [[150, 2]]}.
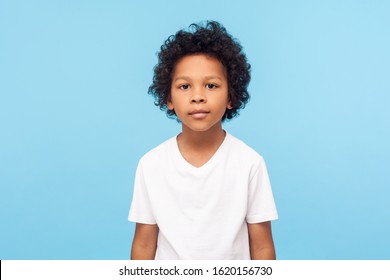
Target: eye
{"points": [[184, 86], [211, 86]]}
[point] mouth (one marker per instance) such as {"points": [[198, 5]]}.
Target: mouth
{"points": [[199, 114]]}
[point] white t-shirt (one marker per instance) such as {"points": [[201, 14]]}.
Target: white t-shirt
{"points": [[202, 213]]}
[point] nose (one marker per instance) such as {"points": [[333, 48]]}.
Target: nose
{"points": [[198, 98]]}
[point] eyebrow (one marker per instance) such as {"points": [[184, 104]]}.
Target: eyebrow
{"points": [[206, 78]]}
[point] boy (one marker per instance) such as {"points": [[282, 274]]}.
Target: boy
{"points": [[203, 194]]}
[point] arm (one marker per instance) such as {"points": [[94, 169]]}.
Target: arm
{"points": [[144, 242], [261, 243]]}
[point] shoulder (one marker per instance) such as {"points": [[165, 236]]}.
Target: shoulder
{"points": [[245, 158], [158, 154], [241, 150]]}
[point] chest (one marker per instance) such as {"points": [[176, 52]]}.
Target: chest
{"points": [[197, 159]]}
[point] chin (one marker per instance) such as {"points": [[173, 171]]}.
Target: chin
{"points": [[196, 129], [202, 126]]}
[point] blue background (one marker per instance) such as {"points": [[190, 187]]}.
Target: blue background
{"points": [[75, 118]]}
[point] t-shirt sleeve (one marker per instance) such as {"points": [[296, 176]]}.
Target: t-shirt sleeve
{"points": [[261, 204], [141, 210]]}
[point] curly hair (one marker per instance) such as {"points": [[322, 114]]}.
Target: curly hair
{"points": [[213, 40]]}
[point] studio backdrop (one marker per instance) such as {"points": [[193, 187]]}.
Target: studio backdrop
{"points": [[75, 118]]}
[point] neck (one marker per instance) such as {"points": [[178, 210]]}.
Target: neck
{"points": [[202, 139]]}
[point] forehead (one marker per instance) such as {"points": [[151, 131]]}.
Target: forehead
{"points": [[199, 65]]}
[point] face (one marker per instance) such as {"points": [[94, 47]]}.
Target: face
{"points": [[199, 92]]}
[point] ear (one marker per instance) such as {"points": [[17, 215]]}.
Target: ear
{"points": [[229, 106], [170, 105]]}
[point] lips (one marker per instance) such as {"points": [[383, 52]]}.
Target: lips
{"points": [[199, 114]]}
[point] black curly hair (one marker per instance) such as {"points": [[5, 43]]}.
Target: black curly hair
{"points": [[213, 40]]}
